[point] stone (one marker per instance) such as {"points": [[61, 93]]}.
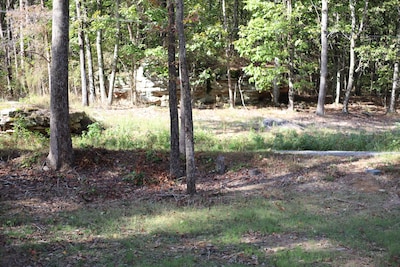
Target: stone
{"points": [[38, 120]]}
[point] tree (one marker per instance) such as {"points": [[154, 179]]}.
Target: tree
{"points": [[5, 38], [279, 54], [81, 42], [100, 59], [61, 153], [115, 56], [395, 83], [324, 59], [228, 55], [186, 102], [354, 34], [174, 165], [290, 45], [89, 57]]}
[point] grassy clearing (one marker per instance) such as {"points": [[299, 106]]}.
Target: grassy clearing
{"points": [[229, 133], [315, 230], [139, 136]]}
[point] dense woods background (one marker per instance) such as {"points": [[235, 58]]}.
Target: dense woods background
{"points": [[270, 44]]}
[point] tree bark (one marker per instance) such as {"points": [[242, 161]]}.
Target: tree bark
{"points": [[134, 38], [395, 83], [227, 55], [81, 42], [22, 53], [5, 24], [100, 60], [187, 102], [115, 56], [353, 37], [275, 84], [324, 59], [89, 58], [182, 141], [291, 57], [48, 57], [174, 164], [61, 153]]}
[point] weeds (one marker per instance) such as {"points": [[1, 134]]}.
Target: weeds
{"points": [[289, 232], [136, 178]]}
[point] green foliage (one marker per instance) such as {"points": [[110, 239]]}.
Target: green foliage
{"points": [[156, 62], [294, 231], [22, 138], [262, 41], [92, 136], [136, 178]]}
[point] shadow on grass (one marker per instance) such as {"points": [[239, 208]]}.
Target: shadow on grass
{"points": [[300, 228], [236, 234]]}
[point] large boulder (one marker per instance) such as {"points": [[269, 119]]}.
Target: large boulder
{"points": [[38, 120]]}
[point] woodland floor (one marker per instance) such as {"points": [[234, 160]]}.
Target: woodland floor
{"points": [[100, 175]]}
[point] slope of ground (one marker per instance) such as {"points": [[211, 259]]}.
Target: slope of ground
{"points": [[331, 185]]}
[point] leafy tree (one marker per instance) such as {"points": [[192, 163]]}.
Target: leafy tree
{"points": [[279, 32], [356, 29]]}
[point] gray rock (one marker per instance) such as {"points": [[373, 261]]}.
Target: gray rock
{"points": [[373, 171]]}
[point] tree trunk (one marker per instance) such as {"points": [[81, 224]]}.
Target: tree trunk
{"points": [[89, 58], [392, 106], [291, 57], [174, 164], [187, 102], [61, 153], [48, 57], [227, 55], [338, 85], [339, 67], [182, 141], [22, 49], [81, 42], [324, 59], [134, 38], [100, 62], [4, 24], [353, 37], [395, 83], [275, 90], [115, 56]]}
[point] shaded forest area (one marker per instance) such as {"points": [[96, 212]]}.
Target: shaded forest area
{"points": [[273, 45]]}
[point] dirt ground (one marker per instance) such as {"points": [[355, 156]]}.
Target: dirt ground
{"points": [[101, 175]]}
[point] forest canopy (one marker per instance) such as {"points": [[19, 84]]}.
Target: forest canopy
{"points": [[267, 43]]}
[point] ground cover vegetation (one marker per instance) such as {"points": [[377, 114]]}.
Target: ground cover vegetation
{"points": [[117, 203], [119, 206]]}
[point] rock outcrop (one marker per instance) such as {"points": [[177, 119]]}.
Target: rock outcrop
{"points": [[38, 120]]}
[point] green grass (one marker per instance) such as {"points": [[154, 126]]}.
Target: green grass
{"points": [[124, 138], [162, 234], [127, 132], [138, 134]]}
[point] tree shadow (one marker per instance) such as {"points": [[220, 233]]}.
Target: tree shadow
{"points": [[46, 221]]}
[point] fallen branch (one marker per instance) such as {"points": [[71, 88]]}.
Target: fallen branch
{"points": [[348, 201]]}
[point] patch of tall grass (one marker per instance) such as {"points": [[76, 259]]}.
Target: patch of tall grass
{"points": [[132, 136], [127, 132]]}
